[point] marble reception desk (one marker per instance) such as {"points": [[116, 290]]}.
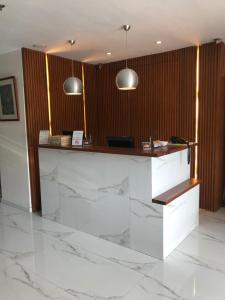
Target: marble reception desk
{"points": [[108, 192]]}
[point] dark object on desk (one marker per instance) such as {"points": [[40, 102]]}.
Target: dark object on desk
{"points": [[179, 140], [68, 132], [120, 141]]}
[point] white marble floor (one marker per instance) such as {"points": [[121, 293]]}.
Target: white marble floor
{"points": [[40, 259]]}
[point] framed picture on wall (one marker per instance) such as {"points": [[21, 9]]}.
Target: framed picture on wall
{"points": [[8, 99]]}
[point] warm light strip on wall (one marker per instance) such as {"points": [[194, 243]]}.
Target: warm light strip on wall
{"points": [[197, 113], [84, 103], [48, 94]]}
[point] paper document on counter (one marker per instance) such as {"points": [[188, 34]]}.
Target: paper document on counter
{"points": [[77, 139]]}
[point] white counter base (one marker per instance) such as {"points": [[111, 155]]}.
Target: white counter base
{"points": [[110, 196]]}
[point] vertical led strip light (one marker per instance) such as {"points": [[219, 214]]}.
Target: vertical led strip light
{"points": [[48, 93], [197, 114], [84, 102]]}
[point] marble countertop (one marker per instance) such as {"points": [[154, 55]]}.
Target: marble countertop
{"points": [[123, 151]]}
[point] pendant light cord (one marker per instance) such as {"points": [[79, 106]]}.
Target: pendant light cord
{"points": [[126, 49], [72, 63], [72, 69]]}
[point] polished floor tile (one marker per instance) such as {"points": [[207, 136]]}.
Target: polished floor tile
{"points": [[40, 259]]}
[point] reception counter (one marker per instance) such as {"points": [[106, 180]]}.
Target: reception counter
{"points": [[142, 200]]}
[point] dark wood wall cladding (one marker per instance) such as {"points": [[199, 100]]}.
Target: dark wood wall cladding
{"points": [[161, 106], [212, 125], [35, 86], [66, 111], [220, 144], [91, 103], [113, 106]]}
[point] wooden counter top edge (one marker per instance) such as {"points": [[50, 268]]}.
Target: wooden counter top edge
{"points": [[158, 152]]}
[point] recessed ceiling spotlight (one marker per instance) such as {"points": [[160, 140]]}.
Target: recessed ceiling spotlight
{"points": [[108, 53], [2, 6], [217, 40], [158, 42], [71, 42], [39, 47]]}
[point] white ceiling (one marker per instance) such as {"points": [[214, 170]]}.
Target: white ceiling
{"points": [[96, 26]]}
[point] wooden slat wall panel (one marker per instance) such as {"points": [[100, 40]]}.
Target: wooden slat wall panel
{"points": [[161, 106], [207, 96], [220, 143], [211, 125], [35, 86], [165, 98], [113, 105], [66, 111], [91, 103]]}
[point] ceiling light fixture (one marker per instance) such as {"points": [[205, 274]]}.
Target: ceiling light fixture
{"points": [[108, 53], [39, 47], [72, 85], [217, 40], [126, 79], [158, 42], [2, 6]]}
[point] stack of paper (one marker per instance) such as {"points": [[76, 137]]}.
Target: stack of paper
{"points": [[44, 137], [77, 139], [55, 140], [65, 140]]}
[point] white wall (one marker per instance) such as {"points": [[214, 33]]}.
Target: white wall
{"points": [[14, 166]]}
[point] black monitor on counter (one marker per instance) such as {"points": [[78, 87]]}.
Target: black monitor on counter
{"points": [[68, 132], [120, 141]]}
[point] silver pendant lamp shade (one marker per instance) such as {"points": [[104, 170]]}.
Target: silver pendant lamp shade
{"points": [[72, 85], [126, 79]]}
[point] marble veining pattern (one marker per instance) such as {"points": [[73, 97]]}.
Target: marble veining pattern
{"points": [[42, 260], [168, 171], [110, 196]]}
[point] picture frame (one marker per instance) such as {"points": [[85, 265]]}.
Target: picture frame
{"points": [[8, 99]]}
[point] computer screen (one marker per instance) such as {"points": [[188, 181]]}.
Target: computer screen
{"points": [[120, 141]]}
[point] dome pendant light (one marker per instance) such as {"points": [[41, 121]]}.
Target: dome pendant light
{"points": [[72, 85], [126, 79]]}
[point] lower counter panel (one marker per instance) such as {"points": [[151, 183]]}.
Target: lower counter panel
{"points": [[107, 195]]}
